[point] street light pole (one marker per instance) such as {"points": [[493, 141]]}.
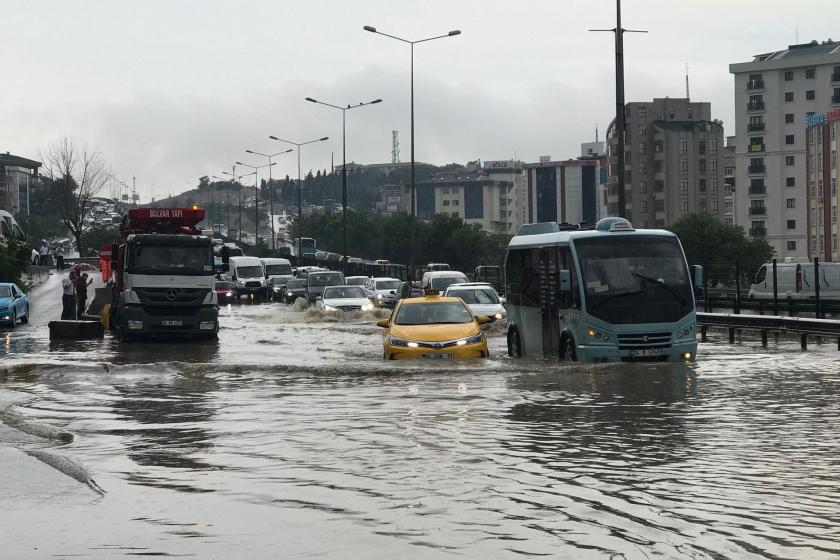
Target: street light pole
{"points": [[344, 169], [239, 223], [300, 189], [270, 190], [256, 168], [452, 33]]}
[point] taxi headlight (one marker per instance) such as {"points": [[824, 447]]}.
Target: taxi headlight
{"points": [[394, 341], [474, 339]]}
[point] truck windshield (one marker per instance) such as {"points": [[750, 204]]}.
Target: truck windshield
{"points": [[638, 279], [188, 259], [278, 269], [248, 271]]}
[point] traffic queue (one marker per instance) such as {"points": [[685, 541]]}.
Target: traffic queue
{"points": [[437, 318]]}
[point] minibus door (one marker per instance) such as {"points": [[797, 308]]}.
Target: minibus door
{"points": [[550, 300]]}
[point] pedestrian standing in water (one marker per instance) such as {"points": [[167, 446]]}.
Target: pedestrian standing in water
{"points": [[82, 283], [43, 252], [68, 297]]}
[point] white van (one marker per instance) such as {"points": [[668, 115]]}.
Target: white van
{"points": [[796, 280], [9, 228], [248, 275], [277, 274], [441, 279]]}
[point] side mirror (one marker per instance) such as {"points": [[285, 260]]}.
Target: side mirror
{"points": [[483, 320], [503, 301], [382, 323], [565, 280], [697, 275]]}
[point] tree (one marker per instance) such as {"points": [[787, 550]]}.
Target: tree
{"points": [[78, 173]]}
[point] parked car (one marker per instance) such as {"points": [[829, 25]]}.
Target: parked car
{"points": [[344, 298], [317, 281], [225, 291], [382, 291], [295, 288], [480, 297], [14, 305], [433, 327]]}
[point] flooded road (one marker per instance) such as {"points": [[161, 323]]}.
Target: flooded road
{"points": [[289, 437]]}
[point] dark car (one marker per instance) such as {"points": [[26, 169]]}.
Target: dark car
{"points": [[295, 288], [225, 291], [317, 281]]}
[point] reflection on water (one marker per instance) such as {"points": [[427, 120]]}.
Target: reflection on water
{"points": [[290, 429]]}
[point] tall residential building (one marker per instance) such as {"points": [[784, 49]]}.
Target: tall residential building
{"points": [[729, 181], [562, 191], [822, 170], [16, 174], [774, 94], [673, 162]]}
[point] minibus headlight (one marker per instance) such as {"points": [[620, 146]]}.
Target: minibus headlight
{"points": [[685, 332], [597, 335]]}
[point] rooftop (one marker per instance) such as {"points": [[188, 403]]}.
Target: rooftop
{"points": [[17, 161], [813, 48]]}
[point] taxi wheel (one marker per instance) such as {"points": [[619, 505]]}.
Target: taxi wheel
{"points": [[514, 344], [567, 349]]}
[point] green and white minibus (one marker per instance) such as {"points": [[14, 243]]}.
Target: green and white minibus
{"points": [[606, 294]]}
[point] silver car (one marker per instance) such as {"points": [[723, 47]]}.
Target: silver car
{"points": [[481, 298], [382, 291]]}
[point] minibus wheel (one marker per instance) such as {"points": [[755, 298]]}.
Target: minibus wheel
{"points": [[567, 348], [514, 343]]}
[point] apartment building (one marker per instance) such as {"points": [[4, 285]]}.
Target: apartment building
{"points": [[729, 181], [774, 95], [16, 175], [562, 191], [822, 170], [673, 162]]}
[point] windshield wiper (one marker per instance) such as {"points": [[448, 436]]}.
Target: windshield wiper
{"points": [[614, 296], [660, 282]]}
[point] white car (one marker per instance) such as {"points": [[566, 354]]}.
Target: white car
{"points": [[480, 297], [382, 291], [356, 280], [343, 298]]}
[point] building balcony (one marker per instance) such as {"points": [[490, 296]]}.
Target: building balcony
{"points": [[758, 210], [758, 232], [755, 84], [757, 168], [755, 127], [755, 106], [758, 189], [756, 147], [835, 99], [835, 77]]}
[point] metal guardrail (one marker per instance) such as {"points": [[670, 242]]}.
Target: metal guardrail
{"points": [[803, 326]]}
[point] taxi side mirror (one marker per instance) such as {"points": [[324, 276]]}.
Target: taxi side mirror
{"points": [[382, 323], [484, 320]]}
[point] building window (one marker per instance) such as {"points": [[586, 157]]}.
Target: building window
{"points": [[791, 245], [701, 147], [833, 186], [833, 214], [643, 206], [788, 97], [810, 95], [445, 190], [790, 182], [810, 73], [643, 187], [727, 206], [643, 168], [657, 165], [713, 186], [671, 112], [788, 118], [789, 139], [683, 186], [713, 146], [642, 148], [642, 112], [702, 165], [446, 203], [789, 76], [701, 185], [789, 160], [713, 205], [683, 165], [456, 203], [683, 145], [791, 202], [642, 129], [684, 207], [729, 221], [791, 224], [690, 112], [713, 166]]}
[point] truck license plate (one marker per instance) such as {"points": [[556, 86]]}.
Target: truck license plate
{"points": [[438, 356], [172, 323], [645, 352]]}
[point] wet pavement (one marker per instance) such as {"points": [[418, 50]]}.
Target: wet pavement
{"points": [[289, 437]]}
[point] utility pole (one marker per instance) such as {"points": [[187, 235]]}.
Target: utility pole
{"points": [[620, 120]]}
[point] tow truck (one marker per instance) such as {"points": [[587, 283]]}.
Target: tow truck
{"points": [[162, 276]]}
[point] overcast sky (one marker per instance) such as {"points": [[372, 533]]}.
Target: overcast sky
{"points": [[174, 89]]}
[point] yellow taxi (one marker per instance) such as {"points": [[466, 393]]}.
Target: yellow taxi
{"points": [[433, 327]]}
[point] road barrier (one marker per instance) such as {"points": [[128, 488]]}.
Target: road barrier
{"points": [[803, 326]]}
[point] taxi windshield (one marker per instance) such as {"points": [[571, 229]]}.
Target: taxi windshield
{"points": [[441, 313]]}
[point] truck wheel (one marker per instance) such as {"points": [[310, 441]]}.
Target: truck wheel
{"points": [[514, 343]]}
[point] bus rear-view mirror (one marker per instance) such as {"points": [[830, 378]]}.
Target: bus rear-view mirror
{"points": [[565, 280]]}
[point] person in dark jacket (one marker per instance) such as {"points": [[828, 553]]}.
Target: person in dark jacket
{"points": [[82, 283]]}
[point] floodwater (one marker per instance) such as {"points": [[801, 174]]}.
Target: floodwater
{"points": [[289, 437]]}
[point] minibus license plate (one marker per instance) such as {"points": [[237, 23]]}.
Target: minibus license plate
{"points": [[438, 356], [172, 323], [644, 352]]}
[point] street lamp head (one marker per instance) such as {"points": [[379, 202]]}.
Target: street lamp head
{"points": [[312, 100], [454, 32], [273, 163], [274, 138], [239, 163], [287, 151], [376, 101], [248, 152], [324, 138], [369, 28]]}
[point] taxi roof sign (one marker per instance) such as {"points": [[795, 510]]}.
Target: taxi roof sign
{"points": [[614, 224]]}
